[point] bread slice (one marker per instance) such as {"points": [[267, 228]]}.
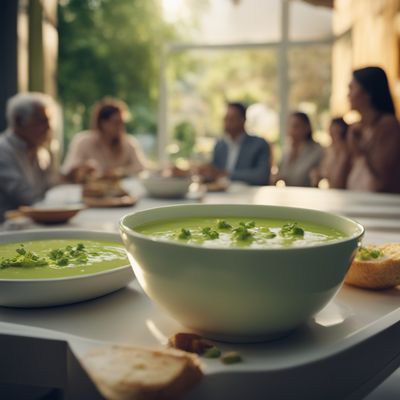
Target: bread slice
{"points": [[132, 373], [382, 272]]}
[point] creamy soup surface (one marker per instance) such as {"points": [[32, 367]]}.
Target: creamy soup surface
{"points": [[40, 259], [241, 232]]}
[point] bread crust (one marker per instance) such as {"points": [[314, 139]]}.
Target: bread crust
{"points": [[133, 373], [380, 273]]}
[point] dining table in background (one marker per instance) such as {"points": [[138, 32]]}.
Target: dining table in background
{"points": [[378, 213]]}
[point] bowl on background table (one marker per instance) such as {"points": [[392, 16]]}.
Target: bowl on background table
{"points": [[168, 187]]}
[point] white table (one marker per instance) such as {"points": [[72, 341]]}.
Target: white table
{"points": [[49, 339]]}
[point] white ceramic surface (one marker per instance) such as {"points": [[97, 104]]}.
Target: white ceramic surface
{"points": [[166, 186], [239, 294], [58, 291], [312, 363]]}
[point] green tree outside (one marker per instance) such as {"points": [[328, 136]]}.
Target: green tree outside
{"points": [[110, 48]]}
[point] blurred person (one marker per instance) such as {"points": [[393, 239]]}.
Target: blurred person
{"points": [[26, 166], [336, 157], [238, 155], [374, 141], [301, 154], [106, 150]]}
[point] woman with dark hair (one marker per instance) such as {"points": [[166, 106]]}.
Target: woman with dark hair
{"points": [[374, 141], [302, 153], [106, 149]]}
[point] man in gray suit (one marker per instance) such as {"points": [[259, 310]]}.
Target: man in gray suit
{"points": [[238, 155]]}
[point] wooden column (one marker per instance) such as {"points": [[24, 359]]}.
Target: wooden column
{"points": [[8, 54]]}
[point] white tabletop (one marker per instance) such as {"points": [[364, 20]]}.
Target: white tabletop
{"points": [[379, 213]]}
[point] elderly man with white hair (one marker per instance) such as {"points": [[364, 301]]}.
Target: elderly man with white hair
{"points": [[25, 166]]}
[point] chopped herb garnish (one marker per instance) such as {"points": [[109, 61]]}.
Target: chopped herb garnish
{"points": [[231, 357], [291, 229], [212, 352], [368, 253], [242, 233], [185, 234], [69, 255], [224, 225], [209, 233], [60, 257], [24, 259], [248, 225]]}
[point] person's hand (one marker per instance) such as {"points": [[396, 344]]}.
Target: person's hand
{"points": [[354, 139], [82, 173], [211, 173]]}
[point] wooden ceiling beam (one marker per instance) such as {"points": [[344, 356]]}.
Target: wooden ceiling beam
{"points": [[323, 3]]}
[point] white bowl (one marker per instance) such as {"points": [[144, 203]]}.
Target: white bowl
{"points": [[58, 291], [239, 294], [166, 186]]}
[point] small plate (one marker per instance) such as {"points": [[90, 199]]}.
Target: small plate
{"points": [[51, 215], [100, 202], [58, 291]]}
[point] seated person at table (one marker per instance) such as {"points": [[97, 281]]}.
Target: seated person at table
{"points": [[374, 141], [26, 166], [336, 157], [238, 155], [106, 149], [301, 155]]}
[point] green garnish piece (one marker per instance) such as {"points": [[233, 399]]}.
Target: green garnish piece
{"points": [[365, 253], [242, 233], [291, 229], [185, 234], [224, 225], [209, 233], [23, 259], [231, 357], [248, 225], [212, 352], [21, 250]]}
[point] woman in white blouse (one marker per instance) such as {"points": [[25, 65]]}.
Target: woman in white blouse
{"points": [[106, 149]]}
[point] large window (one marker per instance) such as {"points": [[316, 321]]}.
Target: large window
{"points": [[274, 56]]}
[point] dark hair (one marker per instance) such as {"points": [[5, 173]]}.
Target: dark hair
{"points": [[342, 124], [306, 120], [105, 109], [240, 107], [374, 81]]}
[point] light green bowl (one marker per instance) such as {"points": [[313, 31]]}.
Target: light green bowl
{"points": [[240, 294]]}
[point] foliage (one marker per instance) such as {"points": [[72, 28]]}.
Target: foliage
{"points": [[201, 92], [110, 48], [185, 138]]}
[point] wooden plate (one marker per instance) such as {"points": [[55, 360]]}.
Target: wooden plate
{"points": [[51, 215], [123, 201]]}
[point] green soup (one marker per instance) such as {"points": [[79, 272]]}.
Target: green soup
{"points": [[61, 258], [241, 232]]}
